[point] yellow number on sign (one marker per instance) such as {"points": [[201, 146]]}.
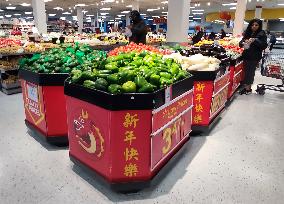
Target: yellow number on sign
{"points": [[167, 136]]}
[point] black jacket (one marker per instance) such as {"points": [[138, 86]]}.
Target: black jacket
{"points": [[139, 32], [254, 52]]}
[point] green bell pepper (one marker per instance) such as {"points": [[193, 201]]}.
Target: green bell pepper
{"points": [[165, 75], [75, 75], [101, 84], [155, 79], [129, 87], [89, 84], [113, 79], [140, 81], [146, 88], [114, 89]]}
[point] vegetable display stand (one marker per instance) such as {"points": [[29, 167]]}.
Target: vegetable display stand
{"points": [[236, 74], [210, 95], [45, 105], [127, 139]]}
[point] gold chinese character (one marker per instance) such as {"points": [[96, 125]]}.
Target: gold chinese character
{"points": [[129, 136], [131, 154], [197, 118], [130, 120], [199, 97], [200, 87], [130, 170], [199, 108]]}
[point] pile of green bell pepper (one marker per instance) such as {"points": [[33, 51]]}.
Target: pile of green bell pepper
{"points": [[130, 73], [64, 60]]}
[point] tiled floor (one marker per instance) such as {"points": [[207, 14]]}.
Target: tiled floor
{"points": [[240, 161]]}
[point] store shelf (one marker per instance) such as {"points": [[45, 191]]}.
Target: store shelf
{"points": [[7, 70], [12, 91]]}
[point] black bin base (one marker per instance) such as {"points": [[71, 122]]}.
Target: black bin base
{"points": [[59, 141]]}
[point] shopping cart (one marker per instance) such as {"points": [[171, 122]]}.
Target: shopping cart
{"points": [[272, 66]]}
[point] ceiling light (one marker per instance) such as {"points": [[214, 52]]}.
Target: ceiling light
{"points": [[156, 16], [25, 4], [88, 18], [143, 14], [8, 16], [129, 6], [52, 14], [117, 2], [66, 13], [103, 17], [125, 11], [230, 4], [208, 4], [118, 18], [197, 10], [280, 4], [164, 12], [108, 1], [190, 16], [196, 18], [192, 7], [85, 11], [30, 17], [11, 7], [90, 15], [190, 20], [164, 2], [150, 19], [233, 8], [197, 13], [103, 14], [17, 14], [47, 1], [63, 18], [80, 5], [28, 12], [122, 15], [111, 20], [105, 9], [58, 8], [1, 10], [153, 9], [1, 16]]}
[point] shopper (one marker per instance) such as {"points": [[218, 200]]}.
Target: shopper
{"points": [[272, 40], [223, 34], [138, 28], [212, 36], [254, 42]]}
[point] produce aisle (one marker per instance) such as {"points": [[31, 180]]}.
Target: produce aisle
{"points": [[241, 161]]}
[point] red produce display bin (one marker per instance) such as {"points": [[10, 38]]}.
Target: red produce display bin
{"points": [[236, 74], [210, 95], [128, 138], [45, 105]]}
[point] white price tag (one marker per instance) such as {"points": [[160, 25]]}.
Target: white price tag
{"points": [[32, 93], [168, 94]]}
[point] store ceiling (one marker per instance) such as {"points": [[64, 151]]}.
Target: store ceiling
{"points": [[118, 6]]}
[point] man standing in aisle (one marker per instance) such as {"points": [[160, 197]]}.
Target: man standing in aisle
{"points": [[138, 28]]}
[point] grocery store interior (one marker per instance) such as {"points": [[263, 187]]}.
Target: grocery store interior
{"points": [[139, 101]]}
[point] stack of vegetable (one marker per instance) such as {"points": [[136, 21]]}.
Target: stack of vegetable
{"points": [[58, 60], [137, 48], [10, 46], [142, 72]]}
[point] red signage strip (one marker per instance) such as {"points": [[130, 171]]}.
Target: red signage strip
{"points": [[218, 101]]}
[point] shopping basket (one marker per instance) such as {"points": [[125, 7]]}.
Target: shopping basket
{"points": [[272, 66]]}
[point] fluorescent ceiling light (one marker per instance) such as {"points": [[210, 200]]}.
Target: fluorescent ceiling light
{"points": [[52, 14], [118, 18], [196, 18], [105, 9], [129, 6], [197, 10], [30, 17], [90, 15], [63, 18], [103, 17], [197, 13], [1, 10], [103, 14], [58, 8], [47, 1], [25, 4], [230, 4], [28, 12], [192, 7], [156, 16], [122, 15], [154, 24], [143, 14], [233, 8], [280, 4], [11, 7], [111, 20], [80, 5], [8, 16], [153, 9], [164, 2], [66, 13], [88, 18], [125, 11], [17, 14], [190, 16], [164, 12], [190, 20], [108, 1], [150, 19], [1, 16]]}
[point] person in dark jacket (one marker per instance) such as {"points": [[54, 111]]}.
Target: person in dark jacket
{"points": [[223, 34], [254, 42], [272, 40], [212, 36], [138, 28]]}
